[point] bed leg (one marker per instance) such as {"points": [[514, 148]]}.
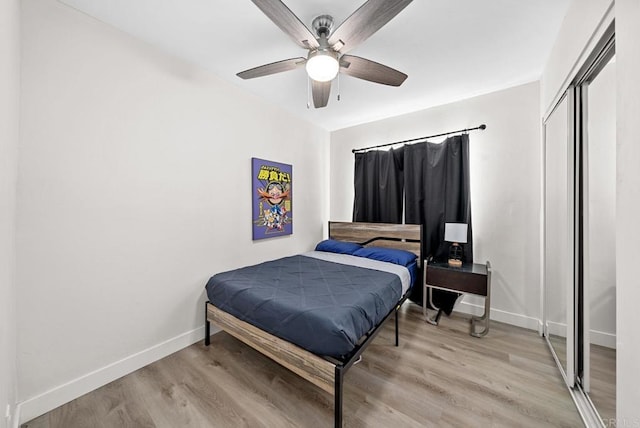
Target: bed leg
{"points": [[207, 327], [397, 340], [337, 406]]}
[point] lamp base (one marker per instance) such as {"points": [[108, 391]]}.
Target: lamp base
{"points": [[455, 263]]}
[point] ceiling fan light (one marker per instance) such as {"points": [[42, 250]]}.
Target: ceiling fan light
{"points": [[322, 66]]}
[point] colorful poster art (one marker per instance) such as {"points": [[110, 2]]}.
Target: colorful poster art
{"points": [[271, 187]]}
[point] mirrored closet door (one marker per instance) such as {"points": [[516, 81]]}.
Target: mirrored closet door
{"points": [[580, 235], [558, 236], [597, 375]]}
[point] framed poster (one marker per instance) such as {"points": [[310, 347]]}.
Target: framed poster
{"points": [[271, 198]]}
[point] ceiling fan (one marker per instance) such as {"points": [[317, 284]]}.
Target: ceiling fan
{"points": [[327, 48]]}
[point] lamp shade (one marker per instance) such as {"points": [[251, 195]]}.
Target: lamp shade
{"points": [[455, 232]]}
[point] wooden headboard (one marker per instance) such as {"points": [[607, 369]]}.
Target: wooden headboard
{"points": [[401, 236]]}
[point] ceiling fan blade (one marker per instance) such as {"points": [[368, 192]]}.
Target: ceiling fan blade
{"points": [[320, 92], [369, 70], [273, 68], [288, 22], [365, 21]]}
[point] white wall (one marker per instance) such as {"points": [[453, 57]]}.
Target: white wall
{"points": [[134, 188], [505, 186], [577, 30], [9, 126], [628, 211]]}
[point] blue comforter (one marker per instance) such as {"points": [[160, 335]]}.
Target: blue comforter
{"points": [[321, 306]]}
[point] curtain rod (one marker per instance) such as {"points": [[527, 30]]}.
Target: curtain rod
{"points": [[481, 127]]}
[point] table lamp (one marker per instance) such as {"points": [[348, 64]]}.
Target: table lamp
{"points": [[456, 233]]}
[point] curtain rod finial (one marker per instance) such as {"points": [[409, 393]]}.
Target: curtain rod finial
{"points": [[483, 126]]}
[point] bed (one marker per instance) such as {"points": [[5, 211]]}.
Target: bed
{"points": [[317, 312]]}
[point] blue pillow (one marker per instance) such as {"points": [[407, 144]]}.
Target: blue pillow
{"points": [[340, 247], [390, 255], [413, 271]]}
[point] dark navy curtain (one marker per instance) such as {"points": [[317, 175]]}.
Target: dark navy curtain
{"points": [[437, 191], [434, 178], [378, 185]]}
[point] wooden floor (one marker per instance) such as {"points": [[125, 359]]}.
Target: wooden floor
{"points": [[437, 377], [603, 375], [603, 381]]}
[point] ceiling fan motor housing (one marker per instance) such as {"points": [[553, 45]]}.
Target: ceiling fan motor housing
{"points": [[322, 24]]}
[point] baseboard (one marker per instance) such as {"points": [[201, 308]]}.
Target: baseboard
{"points": [[601, 338], [557, 329], [518, 320], [55, 397]]}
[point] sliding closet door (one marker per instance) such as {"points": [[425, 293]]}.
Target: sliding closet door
{"points": [[598, 372], [579, 234], [559, 235]]}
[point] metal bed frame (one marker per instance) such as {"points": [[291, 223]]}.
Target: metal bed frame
{"points": [[325, 372]]}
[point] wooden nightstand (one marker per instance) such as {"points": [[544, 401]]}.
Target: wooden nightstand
{"points": [[471, 278]]}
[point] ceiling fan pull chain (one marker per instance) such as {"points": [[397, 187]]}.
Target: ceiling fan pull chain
{"points": [[308, 92], [338, 86]]}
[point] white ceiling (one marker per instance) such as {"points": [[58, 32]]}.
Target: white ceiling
{"points": [[451, 49]]}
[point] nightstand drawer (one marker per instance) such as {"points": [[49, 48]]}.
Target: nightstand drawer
{"points": [[461, 280]]}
